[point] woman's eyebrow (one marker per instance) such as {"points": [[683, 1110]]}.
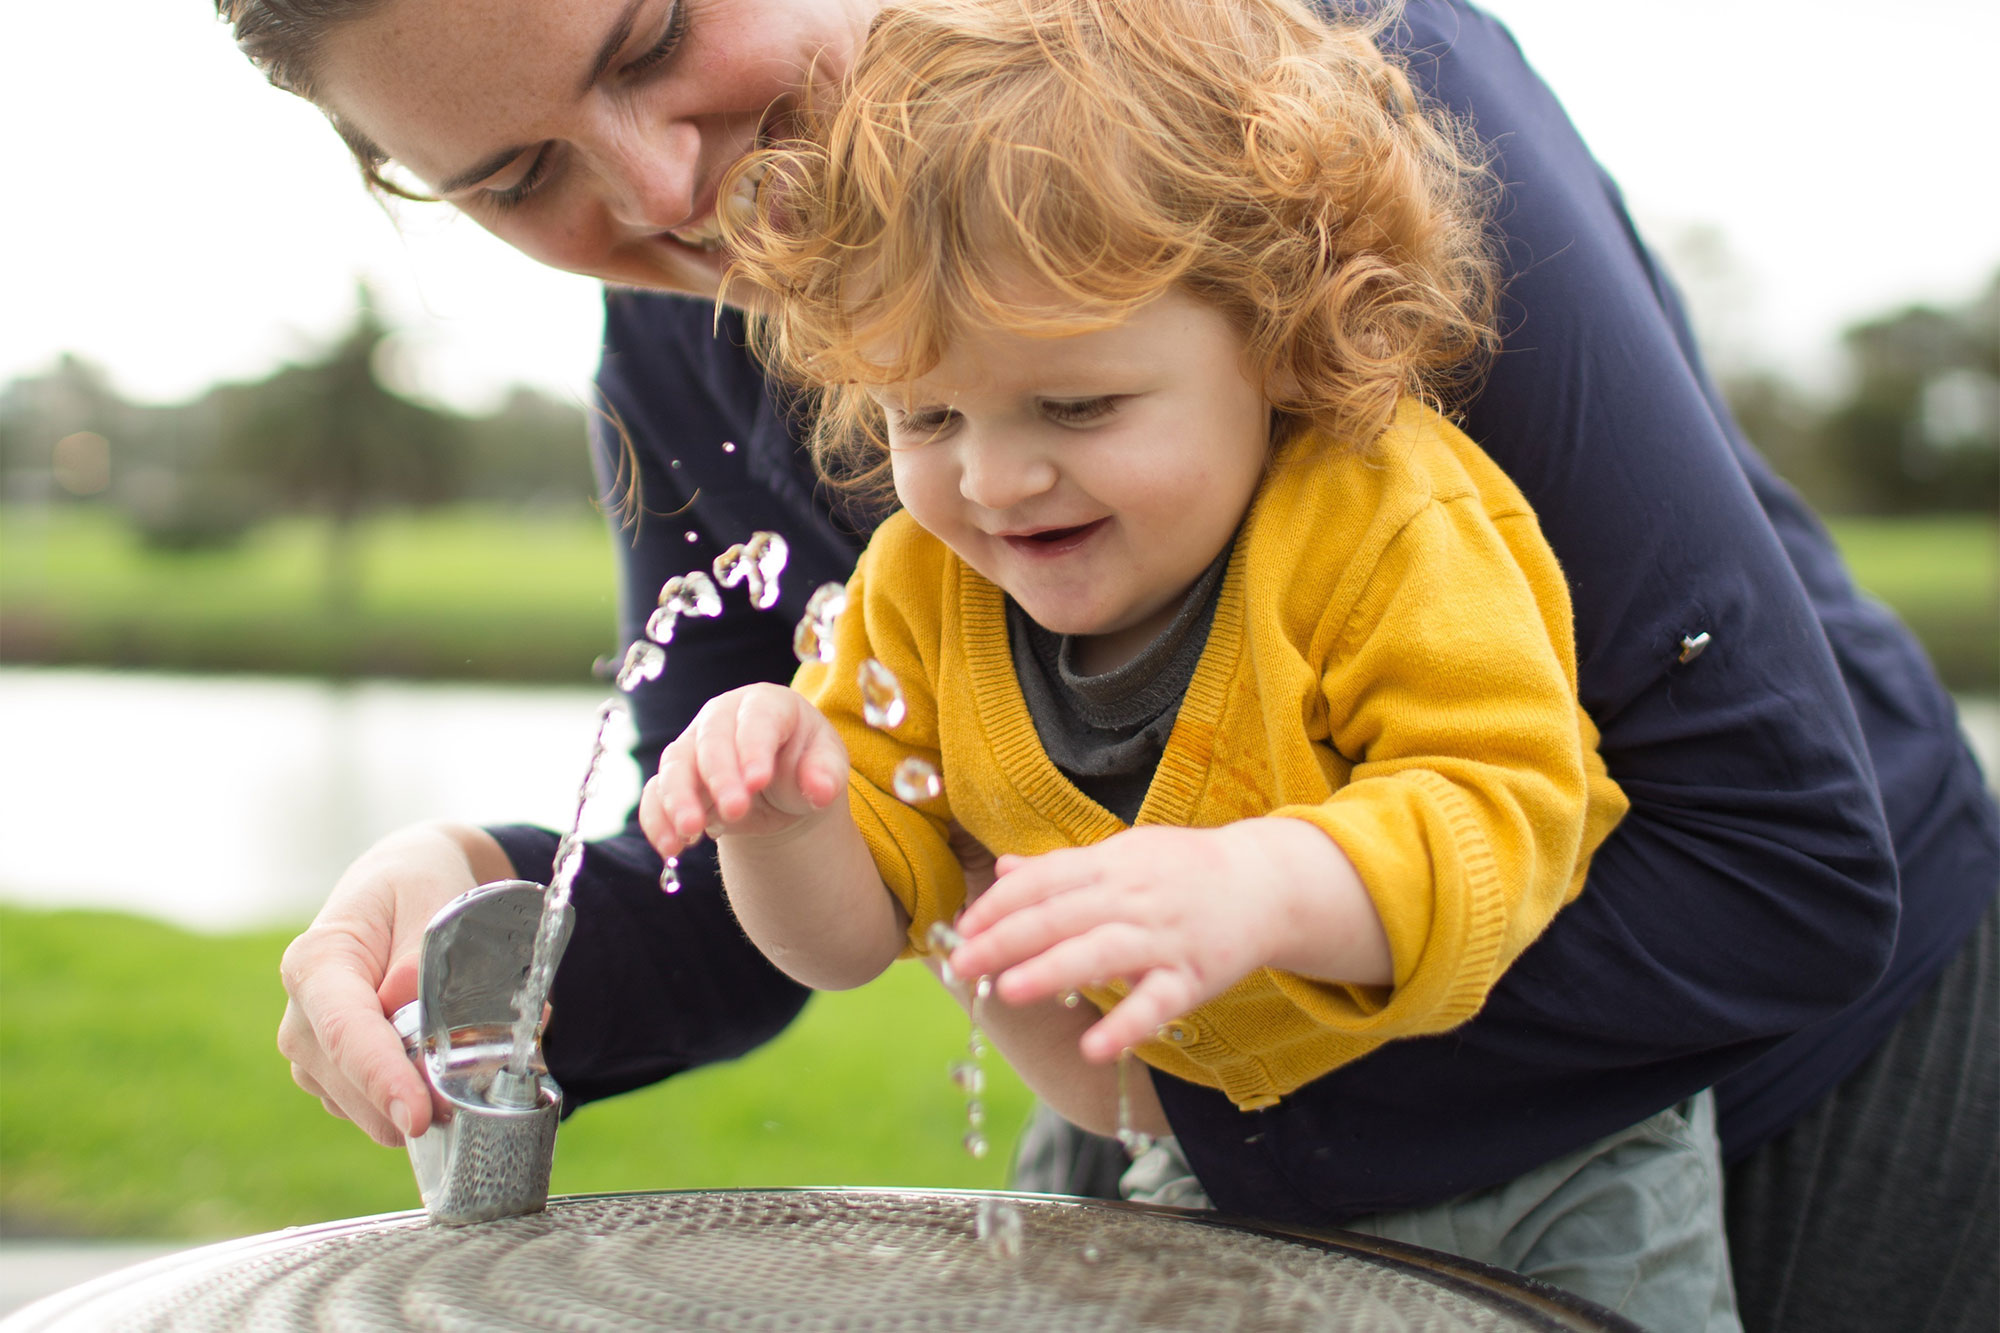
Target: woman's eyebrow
{"points": [[607, 51]]}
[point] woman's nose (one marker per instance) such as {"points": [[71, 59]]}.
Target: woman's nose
{"points": [[649, 178], [998, 473]]}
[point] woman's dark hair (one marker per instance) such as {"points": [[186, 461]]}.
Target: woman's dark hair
{"points": [[283, 38]]}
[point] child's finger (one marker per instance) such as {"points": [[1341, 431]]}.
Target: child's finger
{"points": [[1114, 949], [1065, 911], [717, 760], [763, 730], [683, 799], [823, 768], [1162, 995], [1021, 882]]}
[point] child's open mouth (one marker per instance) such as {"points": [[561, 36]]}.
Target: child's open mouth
{"points": [[1054, 541]]}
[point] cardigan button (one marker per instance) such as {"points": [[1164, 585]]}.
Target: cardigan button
{"points": [[1693, 646], [1180, 1034]]}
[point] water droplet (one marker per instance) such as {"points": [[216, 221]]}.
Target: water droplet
{"points": [[691, 536], [660, 625], [643, 661], [975, 1143], [690, 594], [770, 551], [998, 1224], [916, 780], [942, 940], [670, 875], [733, 566], [969, 1077], [813, 640], [1133, 1142], [757, 563], [881, 697], [729, 446]]}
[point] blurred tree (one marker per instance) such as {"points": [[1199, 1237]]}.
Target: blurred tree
{"points": [[326, 437], [1920, 427]]}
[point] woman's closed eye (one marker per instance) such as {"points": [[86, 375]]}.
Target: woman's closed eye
{"points": [[658, 53], [655, 56], [531, 180]]}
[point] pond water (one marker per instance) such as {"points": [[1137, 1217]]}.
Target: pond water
{"points": [[223, 803]]}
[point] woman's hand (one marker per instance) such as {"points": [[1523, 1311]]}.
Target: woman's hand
{"points": [[1183, 914], [754, 762], [357, 963]]}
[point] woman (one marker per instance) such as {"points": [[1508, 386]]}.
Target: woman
{"points": [[1797, 910]]}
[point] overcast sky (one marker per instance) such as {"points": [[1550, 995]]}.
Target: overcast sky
{"points": [[170, 216]]}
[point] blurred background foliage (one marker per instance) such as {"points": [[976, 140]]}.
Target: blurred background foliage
{"points": [[318, 522]]}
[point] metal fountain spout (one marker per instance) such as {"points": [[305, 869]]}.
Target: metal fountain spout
{"points": [[492, 1139]]}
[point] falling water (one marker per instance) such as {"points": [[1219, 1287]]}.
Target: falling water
{"points": [[1130, 1139], [690, 594], [534, 991]]}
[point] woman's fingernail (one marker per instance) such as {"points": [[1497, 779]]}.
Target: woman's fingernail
{"points": [[399, 1114]]}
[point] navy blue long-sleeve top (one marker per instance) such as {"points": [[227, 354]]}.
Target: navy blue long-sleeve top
{"points": [[1809, 839]]}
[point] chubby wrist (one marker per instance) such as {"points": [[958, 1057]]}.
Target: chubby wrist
{"points": [[1322, 923]]}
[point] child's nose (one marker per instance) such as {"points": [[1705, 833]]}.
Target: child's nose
{"points": [[999, 474]]}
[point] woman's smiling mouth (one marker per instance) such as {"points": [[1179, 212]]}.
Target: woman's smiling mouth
{"points": [[741, 201]]}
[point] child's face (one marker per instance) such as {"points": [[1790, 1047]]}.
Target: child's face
{"points": [[1092, 477]]}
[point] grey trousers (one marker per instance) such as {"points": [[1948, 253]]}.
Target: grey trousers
{"points": [[1878, 1210], [1633, 1222]]}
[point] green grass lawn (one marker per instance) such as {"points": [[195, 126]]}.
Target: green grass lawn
{"points": [[141, 1094], [454, 594], [492, 595]]}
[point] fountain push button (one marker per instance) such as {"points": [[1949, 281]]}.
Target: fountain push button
{"points": [[491, 1144]]}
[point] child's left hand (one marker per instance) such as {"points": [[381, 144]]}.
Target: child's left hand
{"points": [[1184, 914]]}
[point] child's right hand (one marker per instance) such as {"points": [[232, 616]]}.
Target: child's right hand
{"points": [[754, 762]]}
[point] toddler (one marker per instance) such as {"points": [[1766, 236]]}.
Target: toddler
{"points": [[1256, 674]]}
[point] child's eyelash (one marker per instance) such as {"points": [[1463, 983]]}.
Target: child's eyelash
{"points": [[1071, 411]]}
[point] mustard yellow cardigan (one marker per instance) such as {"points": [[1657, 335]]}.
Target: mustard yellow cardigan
{"points": [[1391, 660]]}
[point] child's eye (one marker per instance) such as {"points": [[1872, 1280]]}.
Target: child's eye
{"points": [[1076, 411], [917, 427]]}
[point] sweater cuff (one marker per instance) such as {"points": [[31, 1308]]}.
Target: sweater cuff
{"points": [[912, 853]]}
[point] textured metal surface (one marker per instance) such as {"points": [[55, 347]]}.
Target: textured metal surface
{"points": [[802, 1260]]}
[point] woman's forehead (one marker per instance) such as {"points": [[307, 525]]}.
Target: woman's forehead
{"points": [[442, 85], [433, 81]]}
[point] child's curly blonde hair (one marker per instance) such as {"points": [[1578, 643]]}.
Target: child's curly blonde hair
{"points": [[1047, 166]]}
